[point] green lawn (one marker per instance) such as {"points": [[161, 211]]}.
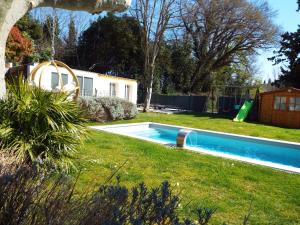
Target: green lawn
{"points": [[202, 180]]}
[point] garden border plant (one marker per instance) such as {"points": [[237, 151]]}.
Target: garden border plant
{"points": [[40, 126], [102, 109], [31, 196]]}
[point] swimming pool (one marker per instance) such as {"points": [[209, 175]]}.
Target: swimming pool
{"points": [[277, 154]]}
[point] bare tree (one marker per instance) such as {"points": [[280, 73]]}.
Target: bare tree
{"points": [[154, 17], [219, 30]]}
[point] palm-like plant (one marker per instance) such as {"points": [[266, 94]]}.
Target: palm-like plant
{"points": [[40, 126]]}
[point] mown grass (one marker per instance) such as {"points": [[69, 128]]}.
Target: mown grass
{"points": [[201, 180]]}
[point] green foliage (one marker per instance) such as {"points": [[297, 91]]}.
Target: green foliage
{"points": [[44, 45], [163, 71], [107, 108], [47, 27], [242, 73], [31, 26], [113, 44], [289, 55], [42, 55], [40, 126], [70, 53], [183, 66], [27, 197]]}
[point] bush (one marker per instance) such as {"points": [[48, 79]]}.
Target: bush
{"points": [[40, 126], [106, 109], [38, 198]]}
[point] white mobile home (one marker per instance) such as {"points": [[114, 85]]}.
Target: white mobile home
{"points": [[91, 84]]}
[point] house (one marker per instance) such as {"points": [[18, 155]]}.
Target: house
{"points": [[91, 84], [280, 107]]}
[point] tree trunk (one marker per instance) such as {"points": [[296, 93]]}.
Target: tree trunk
{"points": [[148, 96], [12, 10], [149, 90], [2, 69]]}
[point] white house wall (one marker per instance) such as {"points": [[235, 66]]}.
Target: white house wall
{"points": [[101, 83]]}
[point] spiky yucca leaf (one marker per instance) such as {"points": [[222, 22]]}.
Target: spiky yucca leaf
{"points": [[40, 125]]}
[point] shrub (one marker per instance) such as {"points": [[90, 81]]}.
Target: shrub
{"points": [[40, 126], [28, 197], [105, 109]]}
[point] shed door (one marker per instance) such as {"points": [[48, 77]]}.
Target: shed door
{"points": [[266, 109]]}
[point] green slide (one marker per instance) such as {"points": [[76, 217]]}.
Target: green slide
{"points": [[243, 113]]}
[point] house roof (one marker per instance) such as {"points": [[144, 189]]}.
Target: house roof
{"points": [[23, 69], [107, 76], [115, 77], [290, 89]]}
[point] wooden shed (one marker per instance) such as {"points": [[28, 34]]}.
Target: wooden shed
{"points": [[280, 107]]}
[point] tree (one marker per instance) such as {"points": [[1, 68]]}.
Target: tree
{"points": [[220, 30], [112, 45], [154, 17], [183, 65], [31, 26], [11, 11], [52, 21], [70, 45], [163, 71], [18, 46], [289, 56], [237, 74]]}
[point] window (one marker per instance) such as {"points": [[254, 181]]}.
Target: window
{"points": [[280, 103], [294, 104], [88, 86], [64, 78], [80, 80], [54, 80], [127, 92], [112, 90]]}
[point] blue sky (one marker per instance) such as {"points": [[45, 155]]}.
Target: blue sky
{"points": [[288, 19]]}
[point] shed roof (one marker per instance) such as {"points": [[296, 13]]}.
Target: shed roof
{"points": [[290, 90]]}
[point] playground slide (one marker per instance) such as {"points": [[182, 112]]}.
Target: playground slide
{"points": [[243, 113]]}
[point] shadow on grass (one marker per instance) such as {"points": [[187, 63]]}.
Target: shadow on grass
{"points": [[209, 115], [223, 116]]}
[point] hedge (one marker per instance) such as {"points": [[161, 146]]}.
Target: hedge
{"points": [[103, 109]]}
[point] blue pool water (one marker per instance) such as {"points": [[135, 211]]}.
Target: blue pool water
{"points": [[257, 149], [158, 133]]}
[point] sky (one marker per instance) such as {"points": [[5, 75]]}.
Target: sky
{"points": [[287, 18]]}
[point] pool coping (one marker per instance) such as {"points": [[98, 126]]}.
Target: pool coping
{"points": [[281, 167]]}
